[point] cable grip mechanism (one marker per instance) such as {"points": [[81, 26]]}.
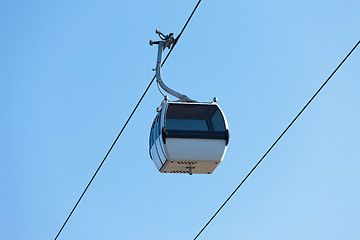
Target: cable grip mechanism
{"points": [[168, 40]]}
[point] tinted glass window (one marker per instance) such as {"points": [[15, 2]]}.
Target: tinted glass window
{"points": [[217, 121], [193, 117], [151, 134], [187, 124], [159, 125], [156, 127], [152, 137]]}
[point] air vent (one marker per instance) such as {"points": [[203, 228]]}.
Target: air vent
{"points": [[179, 171], [181, 162]]}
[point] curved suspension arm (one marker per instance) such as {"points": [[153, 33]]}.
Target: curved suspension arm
{"points": [[167, 89]]}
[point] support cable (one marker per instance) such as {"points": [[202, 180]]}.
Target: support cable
{"points": [[277, 140], [127, 121]]}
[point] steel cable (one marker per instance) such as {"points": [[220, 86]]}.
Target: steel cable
{"points": [[277, 140], [127, 121]]}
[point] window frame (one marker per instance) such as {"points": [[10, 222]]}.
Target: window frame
{"points": [[198, 134]]}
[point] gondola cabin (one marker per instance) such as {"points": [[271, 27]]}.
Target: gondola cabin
{"points": [[188, 137]]}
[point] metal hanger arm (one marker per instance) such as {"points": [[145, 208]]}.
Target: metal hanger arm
{"points": [[168, 40]]}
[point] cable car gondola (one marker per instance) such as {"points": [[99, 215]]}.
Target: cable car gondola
{"points": [[186, 136]]}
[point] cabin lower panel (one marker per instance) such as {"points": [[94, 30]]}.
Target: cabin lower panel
{"points": [[202, 155], [204, 167]]}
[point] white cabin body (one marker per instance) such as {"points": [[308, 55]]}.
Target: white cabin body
{"points": [[188, 137]]}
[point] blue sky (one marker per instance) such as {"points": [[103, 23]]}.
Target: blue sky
{"points": [[72, 71]]}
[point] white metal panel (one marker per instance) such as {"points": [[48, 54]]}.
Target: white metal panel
{"points": [[178, 149]]}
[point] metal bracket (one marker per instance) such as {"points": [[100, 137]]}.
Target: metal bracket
{"points": [[166, 99], [190, 169]]}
